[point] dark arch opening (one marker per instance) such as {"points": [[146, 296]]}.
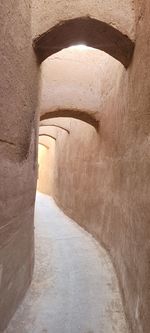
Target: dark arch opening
{"points": [[50, 136], [92, 32], [58, 126], [83, 116]]}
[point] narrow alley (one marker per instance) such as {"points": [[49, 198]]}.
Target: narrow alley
{"points": [[75, 166], [74, 287]]}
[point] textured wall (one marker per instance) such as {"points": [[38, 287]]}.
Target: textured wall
{"points": [[118, 13], [107, 184], [46, 160], [107, 189], [73, 79], [18, 97]]}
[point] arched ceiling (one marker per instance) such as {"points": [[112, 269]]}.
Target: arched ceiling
{"points": [[53, 131], [76, 114], [58, 122], [44, 145], [55, 126], [48, 135], [94, 33], [73, 83], [76, 83], [45, 140]]}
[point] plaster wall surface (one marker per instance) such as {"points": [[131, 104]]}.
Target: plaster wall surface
{"points": [[60, 121], [118, 13], [18, 127], [53, 131], [77, 79], [106, 186], [19, 79], [46, 161]]}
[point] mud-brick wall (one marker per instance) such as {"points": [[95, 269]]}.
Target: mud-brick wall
{"points": [[18, 97], [102, 179], [46, 162]]}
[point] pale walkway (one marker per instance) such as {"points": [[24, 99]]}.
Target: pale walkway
{"points": [[74, 289]]}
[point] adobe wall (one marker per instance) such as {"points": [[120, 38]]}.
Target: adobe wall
{"points": [[46, 160], [116, 208], [103, 179], [118, 13], [18, 127], [75, 79]]}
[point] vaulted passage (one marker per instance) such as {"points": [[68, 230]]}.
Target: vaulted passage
{"points": [[74, 126]]}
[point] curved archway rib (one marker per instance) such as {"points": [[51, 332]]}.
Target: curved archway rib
{"points": [[92, 32], [83, 116], [43, 144], [57, 126], [48, 135]]}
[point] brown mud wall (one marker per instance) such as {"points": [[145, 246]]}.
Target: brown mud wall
{"points": [[102, 180], [46, 160], [18, 127]]}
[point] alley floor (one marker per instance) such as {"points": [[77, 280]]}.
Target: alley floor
{"points": [[74, 287]]}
